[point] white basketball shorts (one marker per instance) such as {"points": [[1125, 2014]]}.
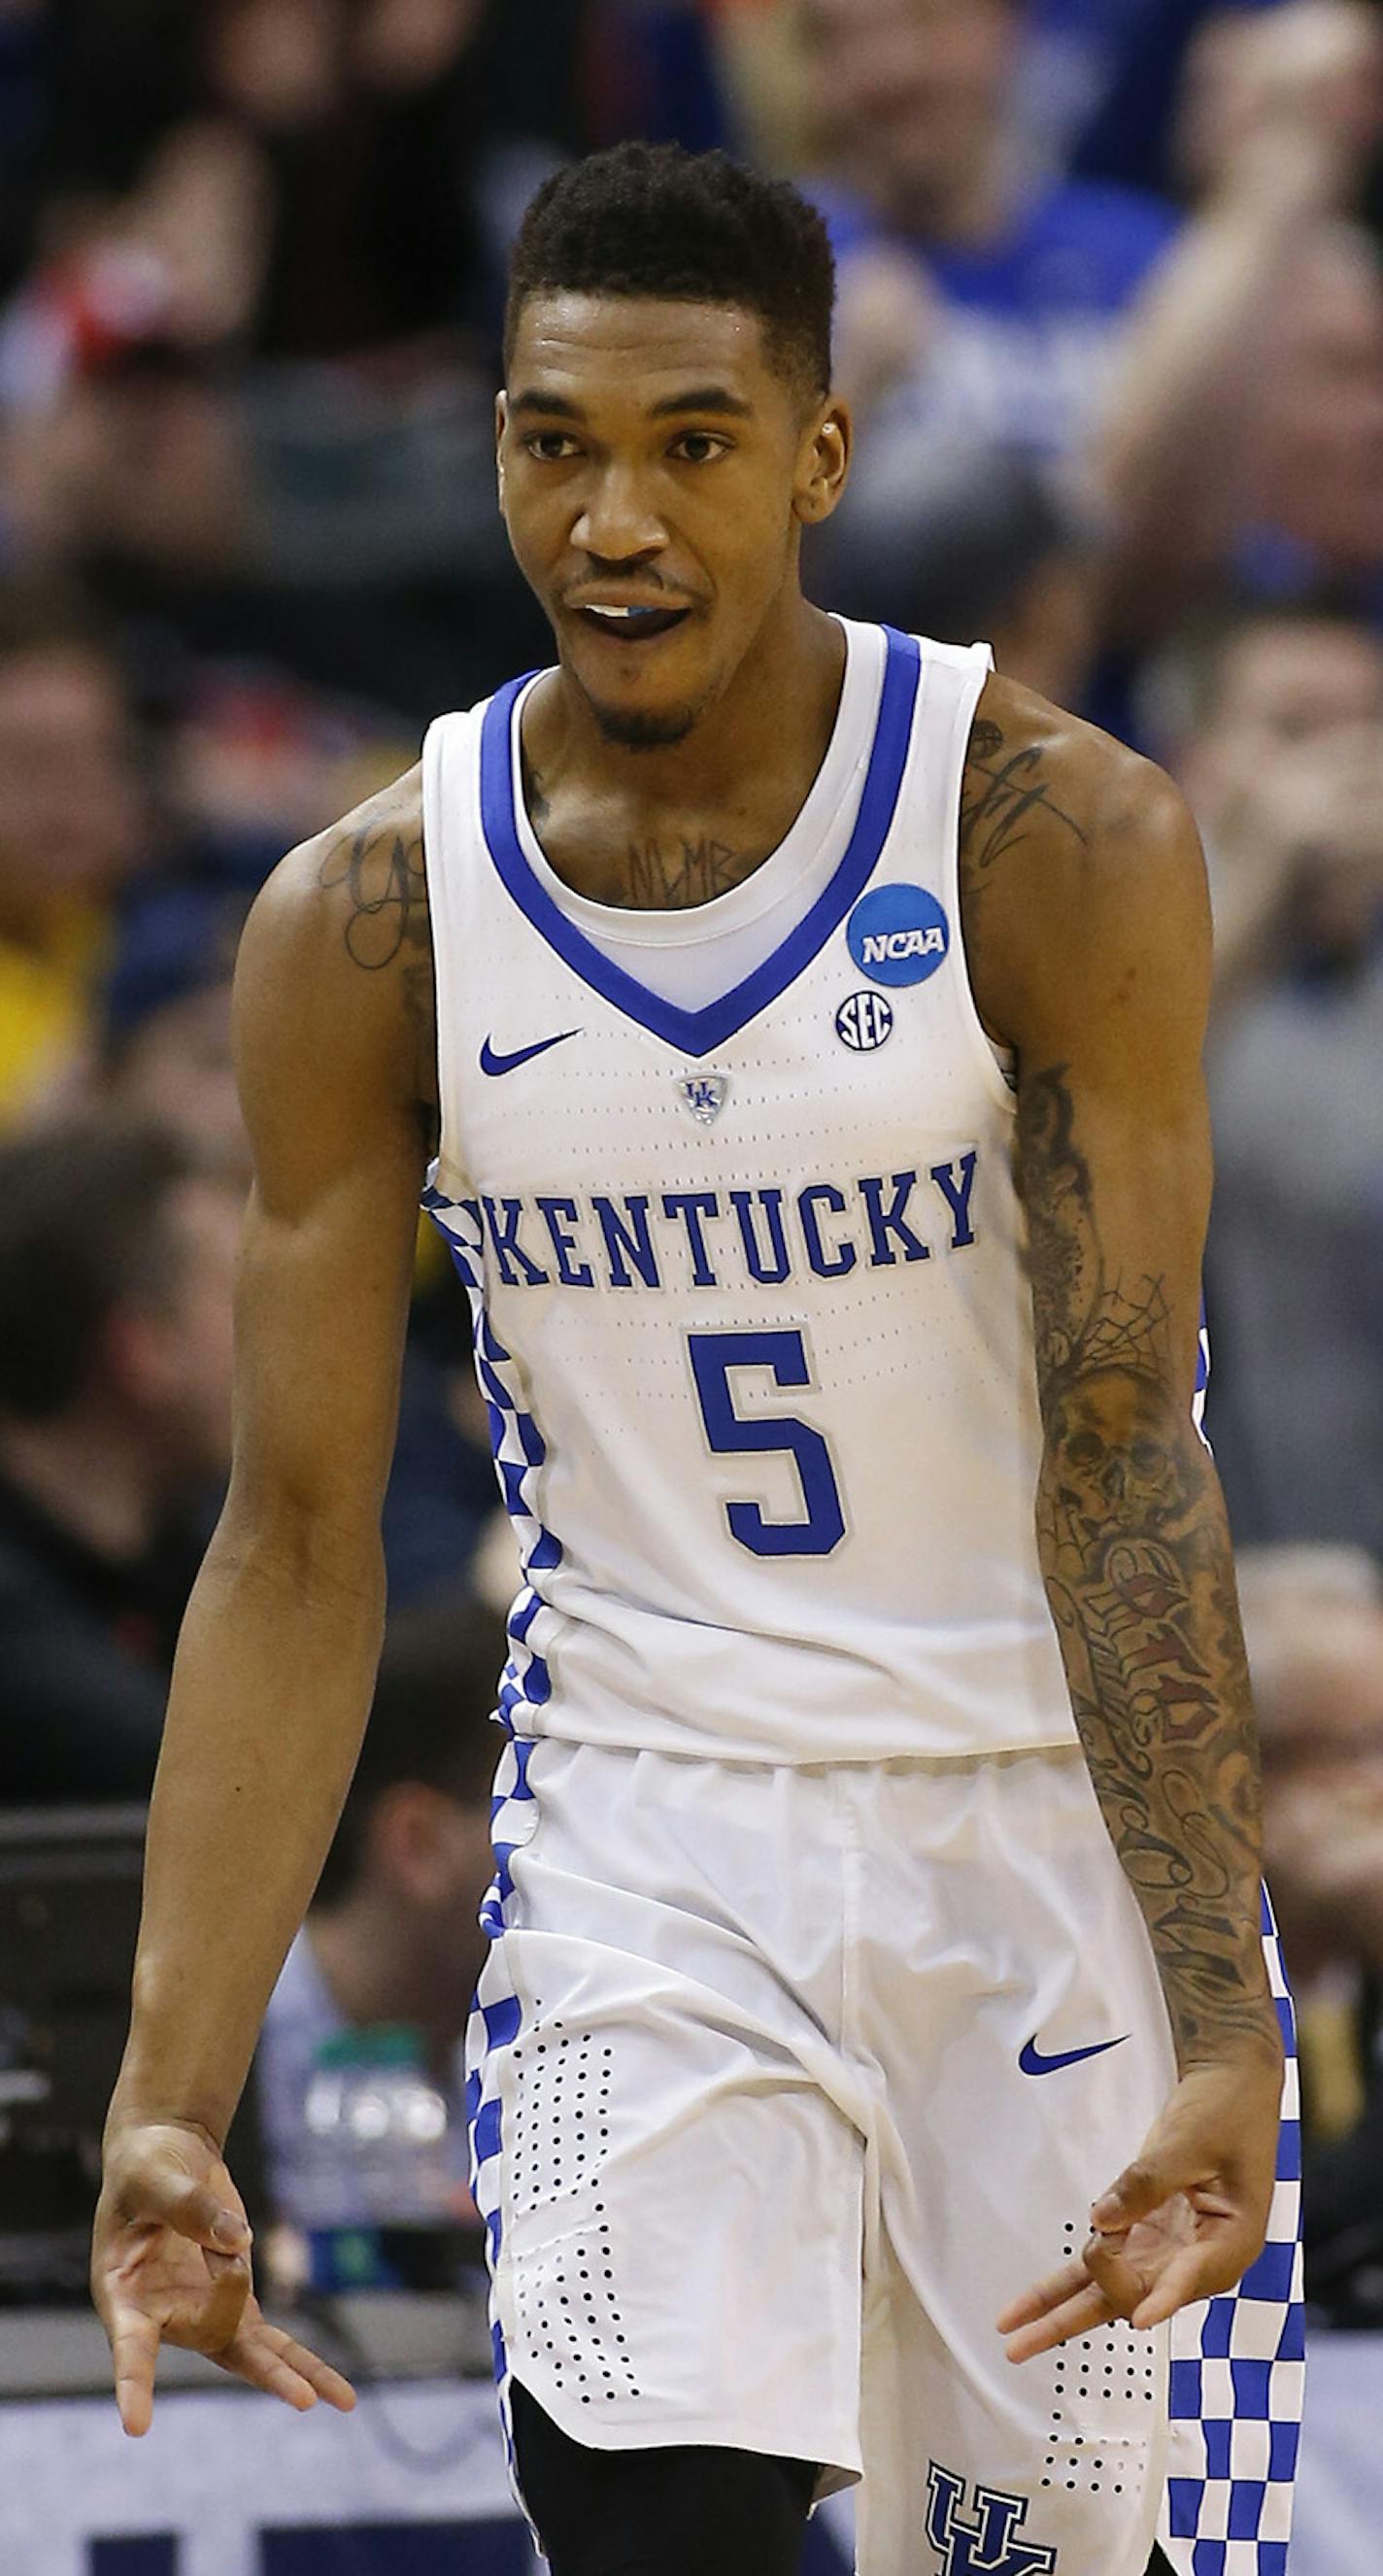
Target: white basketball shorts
{"points": [[783, 2083]]}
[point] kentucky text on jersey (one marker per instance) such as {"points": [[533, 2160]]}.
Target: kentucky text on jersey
{"points": [[720, 1238]]}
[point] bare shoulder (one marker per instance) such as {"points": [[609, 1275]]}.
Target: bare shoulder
{"points": [[362, 880], [1073, 851], [337, 952]]}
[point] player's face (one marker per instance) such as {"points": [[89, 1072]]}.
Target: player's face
{"points": [[656, 470]]}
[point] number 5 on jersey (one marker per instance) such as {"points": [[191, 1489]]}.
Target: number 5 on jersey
{"points": [[732, 1434]]}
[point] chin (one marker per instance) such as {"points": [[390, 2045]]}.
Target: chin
{"points": [[644, 728]]}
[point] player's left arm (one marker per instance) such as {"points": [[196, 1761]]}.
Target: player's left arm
{"points": [[1089, 930]]}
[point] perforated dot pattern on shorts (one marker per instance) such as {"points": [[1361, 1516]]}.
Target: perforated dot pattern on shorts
{"points": [[1111, 2367], [560, 2121], [566, 2292]]}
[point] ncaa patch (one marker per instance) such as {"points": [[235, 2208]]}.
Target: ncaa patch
{"points": [[898, 934]]}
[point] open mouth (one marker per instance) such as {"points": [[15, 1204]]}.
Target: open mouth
{"points": [[632, 625]]}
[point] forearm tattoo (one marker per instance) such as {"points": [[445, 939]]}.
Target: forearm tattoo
{"points": [[1135, 1554], [388, 928]]}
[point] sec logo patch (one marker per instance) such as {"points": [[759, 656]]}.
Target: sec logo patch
{"points": [[899, 934], [863, 1022]]}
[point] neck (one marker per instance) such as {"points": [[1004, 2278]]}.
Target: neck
{"points": [[92, 1475], [381, 1962], [673, 826], [779, 702]]}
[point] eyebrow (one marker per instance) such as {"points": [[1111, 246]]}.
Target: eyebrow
{"points": [[703, 398], [556, 406], [700, 398]]}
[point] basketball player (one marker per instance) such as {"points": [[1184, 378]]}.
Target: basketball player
{"points": [[813, 1109]]}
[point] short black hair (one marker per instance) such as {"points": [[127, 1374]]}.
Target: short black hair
{"points": [[692, 227], [430, 1720], [84, 1229]]}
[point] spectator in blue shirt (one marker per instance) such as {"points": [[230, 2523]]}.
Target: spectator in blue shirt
{"points": [[980, 299], [982, 304]]}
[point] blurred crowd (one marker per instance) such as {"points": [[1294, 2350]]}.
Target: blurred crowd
{"points": [[1111, 318]]}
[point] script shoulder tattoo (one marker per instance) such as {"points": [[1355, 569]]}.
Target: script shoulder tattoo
{"points": [[1135, 1555], [387, 926], [1006, 793]]}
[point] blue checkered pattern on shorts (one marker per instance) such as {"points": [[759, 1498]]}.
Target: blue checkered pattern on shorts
{"points": [[1238, 2365], [520, 1454]]}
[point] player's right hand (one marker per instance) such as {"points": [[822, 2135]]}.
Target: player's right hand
{"points": [[171, 2263]]}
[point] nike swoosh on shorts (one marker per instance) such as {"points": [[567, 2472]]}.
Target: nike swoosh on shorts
{"points": [[1030, 2063], [490, 1062]]}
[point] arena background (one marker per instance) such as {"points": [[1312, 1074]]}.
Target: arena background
{"points": [[1111, 316]]}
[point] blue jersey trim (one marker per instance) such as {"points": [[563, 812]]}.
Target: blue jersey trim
{"points": [[698, 1032]]}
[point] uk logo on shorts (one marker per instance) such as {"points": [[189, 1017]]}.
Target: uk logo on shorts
{"points": [[980, 2539], [899, 934]]}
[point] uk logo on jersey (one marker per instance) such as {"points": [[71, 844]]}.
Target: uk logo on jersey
{"points": [[981, 2539], [703, 1095], [898, 934]]}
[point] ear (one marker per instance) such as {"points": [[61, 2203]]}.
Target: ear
{"points": [[501, 424], [823, 463]]}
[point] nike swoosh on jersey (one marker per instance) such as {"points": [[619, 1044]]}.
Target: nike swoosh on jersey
{"points": [[491, 1062], [1030, 2063]]}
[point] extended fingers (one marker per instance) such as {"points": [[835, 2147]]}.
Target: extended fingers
{"points": [[1042, 2297], [272, 2360], [1100, 2285], [1086, 2308], [134, 2340]]}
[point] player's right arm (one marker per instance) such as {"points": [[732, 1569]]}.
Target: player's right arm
{"points": [[276, 1660]]}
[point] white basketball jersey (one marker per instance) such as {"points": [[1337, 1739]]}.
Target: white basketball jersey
{"points": [[750, 1311]]}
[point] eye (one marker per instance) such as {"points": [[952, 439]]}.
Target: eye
{"points": [[551, 446], [700, 447]]}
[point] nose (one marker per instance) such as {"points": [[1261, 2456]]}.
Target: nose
{"points": [[617, 524]]}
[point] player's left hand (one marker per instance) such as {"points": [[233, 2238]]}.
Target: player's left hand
{"points": [[1184, 2220]]}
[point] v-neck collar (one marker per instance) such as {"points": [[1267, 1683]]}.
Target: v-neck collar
{"points": [[697, 1032]]}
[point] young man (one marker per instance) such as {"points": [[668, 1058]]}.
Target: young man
{"points": [[878, 1845]]}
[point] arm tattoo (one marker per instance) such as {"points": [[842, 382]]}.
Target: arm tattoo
{"points": [[388, 925], [1135, 1555], [1002, 793], [382, 870]]}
